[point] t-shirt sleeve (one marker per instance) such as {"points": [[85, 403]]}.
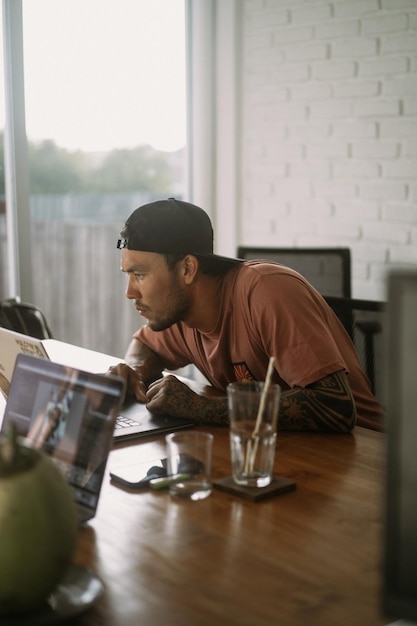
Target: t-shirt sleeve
{"points": [[294, 325]]}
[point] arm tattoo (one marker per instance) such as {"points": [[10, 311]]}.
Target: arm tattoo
{"points": [[325, 406], [199, 408], [213, 412]]}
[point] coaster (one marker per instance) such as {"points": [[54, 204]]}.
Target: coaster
{"points": [[276, 486]]}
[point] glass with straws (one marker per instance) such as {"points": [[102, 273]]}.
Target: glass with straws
{"points": [[253, 414]]}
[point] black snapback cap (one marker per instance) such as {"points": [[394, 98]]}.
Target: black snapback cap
{"points": [[170, 227]]}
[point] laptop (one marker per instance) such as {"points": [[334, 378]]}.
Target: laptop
{"points": [[70, 414], [134, 421], [13, 343]]}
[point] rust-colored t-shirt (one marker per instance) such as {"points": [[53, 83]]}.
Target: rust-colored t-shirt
{"points": [[267, 310]]}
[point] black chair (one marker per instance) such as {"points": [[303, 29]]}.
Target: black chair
{"points": [[364, 320], [24, 318], [327, 269]]}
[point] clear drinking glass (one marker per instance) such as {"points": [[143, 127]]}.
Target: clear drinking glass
{"points": [[253, 416], [189, 461]]}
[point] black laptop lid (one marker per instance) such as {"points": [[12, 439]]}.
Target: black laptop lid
{"points": [[71, 415]]}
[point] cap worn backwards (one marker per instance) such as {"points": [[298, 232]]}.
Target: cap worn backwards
{"points": [[169, 227]]}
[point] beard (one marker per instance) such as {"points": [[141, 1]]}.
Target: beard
{"points": [[176, 310]]}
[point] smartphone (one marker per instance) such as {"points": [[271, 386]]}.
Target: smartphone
{"points": [[139, 476]]}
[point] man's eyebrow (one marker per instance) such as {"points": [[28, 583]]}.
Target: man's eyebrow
{"points": [[134, 268]]}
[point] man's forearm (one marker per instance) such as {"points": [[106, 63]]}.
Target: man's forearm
{"points": [[213, 411], [325, 406], [144, 361]]}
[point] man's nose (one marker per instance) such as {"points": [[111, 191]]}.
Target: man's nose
{"points": [[131, 291]]}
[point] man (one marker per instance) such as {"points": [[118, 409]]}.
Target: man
{"points": [[228, 317]]}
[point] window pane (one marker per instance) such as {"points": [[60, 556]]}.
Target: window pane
{"points": [[3, 235], [105, 119]]}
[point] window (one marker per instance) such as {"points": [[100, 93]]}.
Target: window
{"points": [[105, 122]]}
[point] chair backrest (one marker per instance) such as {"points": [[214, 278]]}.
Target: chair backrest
{"points": [[365, 322], [24, 318], [327, 269]]}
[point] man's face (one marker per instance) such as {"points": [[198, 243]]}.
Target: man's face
{"points": [[158, 292]]}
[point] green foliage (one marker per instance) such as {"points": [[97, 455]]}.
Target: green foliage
{"points": [[138, 169], [54, 170]]}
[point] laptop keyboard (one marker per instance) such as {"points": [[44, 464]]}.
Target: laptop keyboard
{"points": [[124, 422]]}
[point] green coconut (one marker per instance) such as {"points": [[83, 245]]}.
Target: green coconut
{"points": [[38, 526]]}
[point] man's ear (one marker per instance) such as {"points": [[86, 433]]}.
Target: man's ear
{"points": [[190, 268]]}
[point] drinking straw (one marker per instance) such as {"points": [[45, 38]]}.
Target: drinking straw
{"points": [[265, 390], [251, 452]]}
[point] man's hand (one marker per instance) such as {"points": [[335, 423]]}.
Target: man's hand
{"points": [[134, 383], [170, 395]]}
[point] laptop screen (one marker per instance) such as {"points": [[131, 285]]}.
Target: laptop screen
{"points": [[400, 540], [71, 415]]}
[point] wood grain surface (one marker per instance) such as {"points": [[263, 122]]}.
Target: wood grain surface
{"points": [[305, 558]]}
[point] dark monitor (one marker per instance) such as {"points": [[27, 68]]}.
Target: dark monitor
{"points": [[400, 536]]}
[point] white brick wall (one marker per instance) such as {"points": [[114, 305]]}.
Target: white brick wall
{"points": [[328, 139]]}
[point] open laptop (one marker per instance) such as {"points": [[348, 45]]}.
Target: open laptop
{"points": [[13, 343], [134, 420], [70, 414]]}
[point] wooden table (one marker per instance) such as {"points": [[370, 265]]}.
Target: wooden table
{"points": [[305, 558]]}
